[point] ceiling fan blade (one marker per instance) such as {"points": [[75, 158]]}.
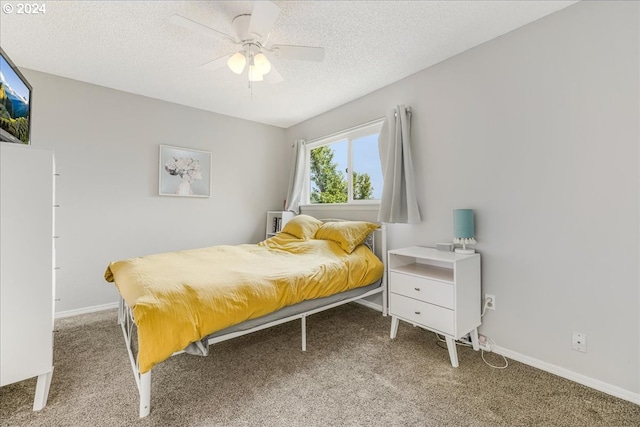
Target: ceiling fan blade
{"points": [[305, 53], [264, 15], [187, 23], [216, 63], [273, 76]]}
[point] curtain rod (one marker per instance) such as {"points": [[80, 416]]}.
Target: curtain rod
{"points": [[408, 112]]}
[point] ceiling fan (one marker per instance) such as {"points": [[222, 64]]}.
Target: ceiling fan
{"points": [[252, 34]]}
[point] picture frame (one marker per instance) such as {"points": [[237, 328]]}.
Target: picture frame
{"points": [[184, 172]]}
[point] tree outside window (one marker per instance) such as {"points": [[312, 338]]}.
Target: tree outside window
{"points": [[330, 163]]}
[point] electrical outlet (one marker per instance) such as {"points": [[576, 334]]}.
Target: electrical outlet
{"points": [[490, 301], [579, 341]]}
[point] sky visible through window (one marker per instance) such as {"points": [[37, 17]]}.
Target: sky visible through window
{"points": [[366, 160]]}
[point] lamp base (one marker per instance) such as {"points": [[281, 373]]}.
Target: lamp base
{"points": [[465, 251]]}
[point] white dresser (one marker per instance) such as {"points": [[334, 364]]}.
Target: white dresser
{"points": [[435, 290], [26, 266]]}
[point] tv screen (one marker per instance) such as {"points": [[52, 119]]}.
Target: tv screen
{"points": [[15, 103]]}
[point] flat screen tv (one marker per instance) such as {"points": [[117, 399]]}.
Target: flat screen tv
{"points": [[15, 103]]}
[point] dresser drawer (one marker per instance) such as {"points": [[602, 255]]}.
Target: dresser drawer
{"points": [[422, 313], [421, 288]]}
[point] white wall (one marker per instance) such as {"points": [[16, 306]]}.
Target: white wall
{"points": [[538, 132], [106, 146]]}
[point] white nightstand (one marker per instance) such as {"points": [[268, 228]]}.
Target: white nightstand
{"points": [[435, 290]]}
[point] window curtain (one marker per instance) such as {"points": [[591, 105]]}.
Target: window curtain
{"points": [[398, 203], [296, 179]]}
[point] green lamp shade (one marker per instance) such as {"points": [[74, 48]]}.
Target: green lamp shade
{"points": [[463, 223]]}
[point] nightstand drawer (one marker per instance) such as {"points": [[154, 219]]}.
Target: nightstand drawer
{"points": [[422, 313], [421, 288]]}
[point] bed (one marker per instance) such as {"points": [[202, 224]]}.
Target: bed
{"points": [[184, 301]]}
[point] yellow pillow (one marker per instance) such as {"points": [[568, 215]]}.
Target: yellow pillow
{"points": [[302, 226], [348, 234]]}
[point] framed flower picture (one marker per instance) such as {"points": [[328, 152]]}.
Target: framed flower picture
{"points": [[184, 172]]}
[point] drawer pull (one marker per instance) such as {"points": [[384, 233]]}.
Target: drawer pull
{"points": [[417, 289], [417, 312]]}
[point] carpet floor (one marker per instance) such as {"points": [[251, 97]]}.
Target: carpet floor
{"points": [[352, 374]]}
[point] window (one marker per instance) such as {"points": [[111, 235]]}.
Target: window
{"points": [[345, 168]]}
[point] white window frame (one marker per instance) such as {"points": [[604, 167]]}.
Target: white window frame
{"points": [[366, 129]]}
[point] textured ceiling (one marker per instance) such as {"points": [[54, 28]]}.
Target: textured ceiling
{"points": [[131, 46]]}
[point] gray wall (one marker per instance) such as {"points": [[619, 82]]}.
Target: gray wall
{"points": [[538, 132], [106, 146]]}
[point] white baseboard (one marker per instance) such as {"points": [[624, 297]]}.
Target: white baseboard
{"points": [[92, 309], [570, 375]]}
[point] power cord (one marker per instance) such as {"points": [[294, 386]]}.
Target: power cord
{"points": [[493, 344], [487, 301], [468, 344], [465, 343]]}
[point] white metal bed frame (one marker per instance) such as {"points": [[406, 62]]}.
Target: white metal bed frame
{"points": [[143, 381]]}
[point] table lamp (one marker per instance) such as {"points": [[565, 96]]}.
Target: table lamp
{"points": [[463, 230]]}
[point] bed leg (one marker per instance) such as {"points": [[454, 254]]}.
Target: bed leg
{"points": [[120, 311], [304, 332], [385, 303], [145, 394]]}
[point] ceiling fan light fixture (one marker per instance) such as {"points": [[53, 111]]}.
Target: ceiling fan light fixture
{"points": [[252, 31], [254, 74], [237, 62], [262, 63]]}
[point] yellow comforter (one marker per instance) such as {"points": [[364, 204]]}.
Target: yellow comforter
{"points": [[181, 297]]}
